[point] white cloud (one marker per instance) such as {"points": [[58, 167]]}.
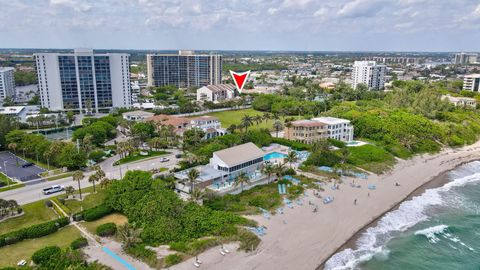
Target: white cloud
{"points": [[361, 8], [321, 12], [272, 24]]}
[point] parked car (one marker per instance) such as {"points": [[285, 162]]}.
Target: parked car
{"points": [[164, 159], [178, 155], [27, 165], [53, 189]]}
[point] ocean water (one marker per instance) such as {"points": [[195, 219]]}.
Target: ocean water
{"points": [[439, 229]]}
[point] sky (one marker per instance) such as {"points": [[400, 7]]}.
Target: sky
{"points": [[297, 25]]}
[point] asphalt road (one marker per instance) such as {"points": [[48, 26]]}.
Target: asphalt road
{"points": [[32, 193]]}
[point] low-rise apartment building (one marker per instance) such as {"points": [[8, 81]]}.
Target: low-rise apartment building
{"points": [[209, 124], [216, 93], [461, 101], [310, 131]]}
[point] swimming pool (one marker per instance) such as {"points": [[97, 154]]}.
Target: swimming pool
{"points": [[273, 155]]}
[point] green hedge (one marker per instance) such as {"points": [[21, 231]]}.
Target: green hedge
{"points": [[44, 255], [79, 243], [93, 213], [293, 144], [107, 229], [32, 232]]}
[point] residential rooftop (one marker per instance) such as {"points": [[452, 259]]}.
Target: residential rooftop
{"points": [[239, 154], [331, 120]]}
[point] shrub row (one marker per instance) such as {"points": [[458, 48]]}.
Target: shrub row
{"points": [[107, 229], [93, 213], [294, 145], [79, 243], [32, 232]]}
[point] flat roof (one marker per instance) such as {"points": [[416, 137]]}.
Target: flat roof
{"points": [[11, 109], [331, 120], [138, 112], [239, 154], [204, 118]]}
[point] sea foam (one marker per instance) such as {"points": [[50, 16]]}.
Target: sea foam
{"points": [[409, 213]]}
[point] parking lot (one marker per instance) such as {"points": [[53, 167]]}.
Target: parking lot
{"points": [[8, 166]]}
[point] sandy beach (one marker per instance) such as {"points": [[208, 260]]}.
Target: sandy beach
{"points": [[302, 239]]}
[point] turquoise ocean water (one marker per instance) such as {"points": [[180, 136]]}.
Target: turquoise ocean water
{"points": [[439, 229]]}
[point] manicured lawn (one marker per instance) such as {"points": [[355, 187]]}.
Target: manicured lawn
{"points": [[23, 250], [235, 117], [137, 157], [89, 201], [35, 213], [118, 219], [4, 179], [15, 186]]}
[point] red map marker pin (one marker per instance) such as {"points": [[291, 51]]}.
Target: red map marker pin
{"points": [[240, 78]]}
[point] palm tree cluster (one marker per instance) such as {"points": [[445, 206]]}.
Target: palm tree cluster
{"points": [[269, 170], [8, 208], [98, 176]]}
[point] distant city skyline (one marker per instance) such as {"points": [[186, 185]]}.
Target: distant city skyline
{"points": [[289, 25]]}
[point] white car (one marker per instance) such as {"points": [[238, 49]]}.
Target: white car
{"points": [[164, 159], [53, 189]]}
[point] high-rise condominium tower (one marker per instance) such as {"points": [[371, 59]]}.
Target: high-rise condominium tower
{"points": [[185, 69], [368, 73], [84, 80]]}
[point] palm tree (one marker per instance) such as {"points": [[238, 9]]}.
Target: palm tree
{"points": [[193, 174], [14, 146], [232, 128], [292, 157], [258, 119], [247, 121], [278, 169], [277, 126], [105, 182], [197, 195], [77, 176], [69, 190], [288, 125], [242, 179], [92, 179], [268, 170], [12, 205], [266, 117], [128, 235]]}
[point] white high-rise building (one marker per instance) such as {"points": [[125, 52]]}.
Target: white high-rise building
{"points": [[471, 82], [84, 80], [7, 83], [466, 58], [368, 73]]}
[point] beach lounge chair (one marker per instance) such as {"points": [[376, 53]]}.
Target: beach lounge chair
{"points": [[372, 187], [22, 263], [328, 200], [299, 202], [226, 250], [222, 253], [196, 264]]}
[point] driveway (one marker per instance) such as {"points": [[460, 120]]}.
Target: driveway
{"points": [[8, 166]]}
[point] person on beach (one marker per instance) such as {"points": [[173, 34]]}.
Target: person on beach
{"points": [[355, 202], [397, 184], [368, 194]]}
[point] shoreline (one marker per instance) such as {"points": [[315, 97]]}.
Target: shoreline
{"points": [[303, 239], [434, 182]]}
